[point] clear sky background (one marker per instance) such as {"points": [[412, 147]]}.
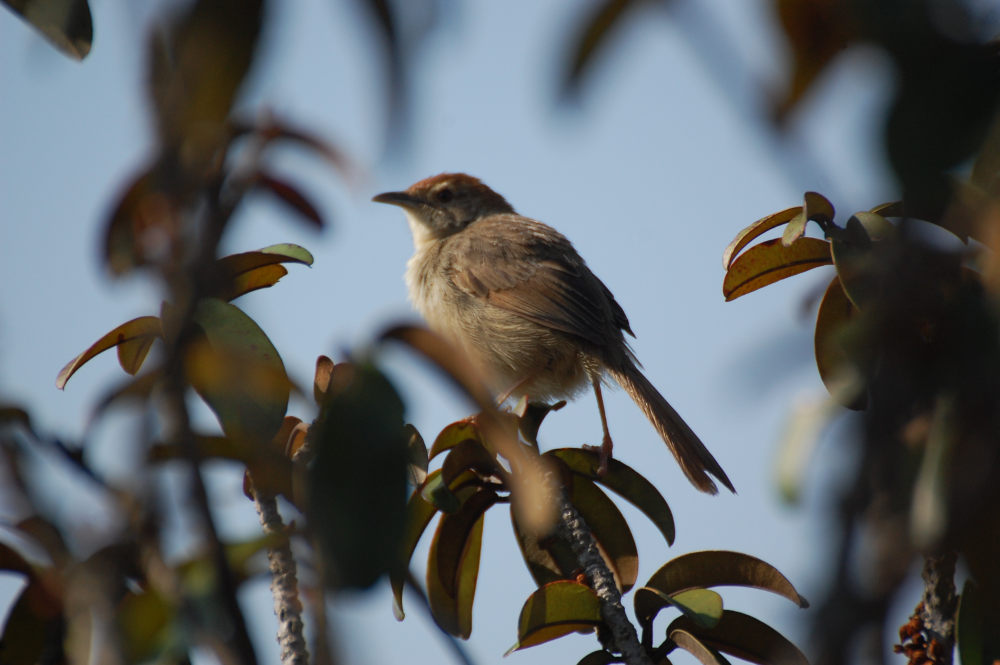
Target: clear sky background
{"points": [[666, 157]]}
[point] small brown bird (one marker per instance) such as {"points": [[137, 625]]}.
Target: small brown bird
{"points": [[522, 304]]}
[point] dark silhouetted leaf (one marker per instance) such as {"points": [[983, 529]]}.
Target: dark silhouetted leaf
{"points": [[721, 568], [198, 64], [451, 590], [453, 533], [469, 455], [66, 24], [623, 480], [771, 261], [557, 609], [761, 226], [139, 331], [356, 492], [594, 33], [530, 416], [971, 626], [322, 377], [548, 558], [852, 256], [609, 528], [238, 372], [704, 653], [742, 636], [835, 368], [704, 606], [877, 226], [35, 626], [598, 658]]}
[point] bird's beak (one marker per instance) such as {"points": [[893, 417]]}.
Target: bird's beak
{"points": [[401, 199]]}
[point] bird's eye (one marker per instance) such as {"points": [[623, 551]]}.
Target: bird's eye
{"points": [[444, 195]]}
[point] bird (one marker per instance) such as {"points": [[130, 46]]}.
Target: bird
{"points": [[515, 296]]}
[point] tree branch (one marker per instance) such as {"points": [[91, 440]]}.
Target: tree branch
{"points": [[572, 528]]}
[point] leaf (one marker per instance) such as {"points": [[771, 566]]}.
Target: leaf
{"points": [[290, 196], [419, 513], [601, 657], [35, 628], [436, 491], [453, 612], [702, 605], [763, 225], [610, 530], [815, 207], [697, 648], [877, 226], [197, 65], [417, 456], [557, 609], [742, 636], [249, 271], [852, 256], [771, 261], [145, 622], [548, 558], [322, 377], [356, 490], [838, 373], [66, 24], [454, 434], [721, 568], [593, 35], [889, 209], [971, 626], [141, 329], [623, 480], [453, 533], [530, 416], [238, 372], [469, 455]]}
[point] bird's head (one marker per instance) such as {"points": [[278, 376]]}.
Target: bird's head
{"points": [[445, 204]]}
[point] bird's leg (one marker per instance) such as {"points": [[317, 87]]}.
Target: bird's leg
{"points": [[606, 444], [514, 388]]}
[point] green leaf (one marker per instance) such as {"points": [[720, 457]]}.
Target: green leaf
{"points": [[356, 493], [771, 261], [721, 568], [238, 372], [624, 481], [66, 24], [702, 605], [742, 636], [454, 434], [557, 609], [970, 626], [452, 609], [838, 373], [138, 331], [761, 226], [435, 490]]}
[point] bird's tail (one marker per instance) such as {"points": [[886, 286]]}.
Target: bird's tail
{"points": [[690, 452]]}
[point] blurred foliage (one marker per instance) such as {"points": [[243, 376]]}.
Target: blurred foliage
{"points": [[66, 24]]}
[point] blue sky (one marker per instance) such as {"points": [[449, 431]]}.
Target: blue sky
{"points": [[662, 162]]}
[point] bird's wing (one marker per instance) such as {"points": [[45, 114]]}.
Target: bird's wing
{"points": [[530, 269]]}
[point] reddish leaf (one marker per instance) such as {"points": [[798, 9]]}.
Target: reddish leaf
{"points": [[452, 536], [290, 196], [141, 329], [557, 609], [454, 434], [763, 225], [453, 611], [610, 530], [771, 261]]}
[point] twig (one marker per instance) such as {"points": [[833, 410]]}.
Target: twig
{"points": [[284, 585], [940, 605], [572, 528]]}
